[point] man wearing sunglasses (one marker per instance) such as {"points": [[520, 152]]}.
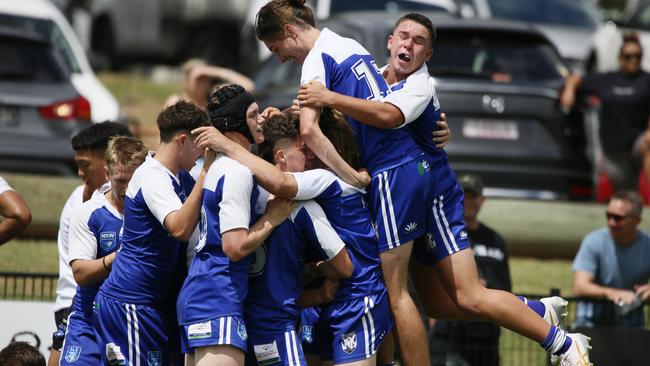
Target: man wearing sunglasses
{"points": [[624, 95], [613, 264]]}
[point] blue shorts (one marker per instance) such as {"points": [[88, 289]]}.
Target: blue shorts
{"points": [[309, 335], [446, 230], [130, 334], [353, 330], [282, 348], [398, 206], [227, 330], [80, 346]]}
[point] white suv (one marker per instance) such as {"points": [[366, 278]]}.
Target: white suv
{"points": [[42, 17]]}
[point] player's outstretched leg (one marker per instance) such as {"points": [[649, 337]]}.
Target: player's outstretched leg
{"points": [[409, 329], [458, 276]]}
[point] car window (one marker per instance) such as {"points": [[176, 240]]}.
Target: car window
{"points": [[495, 56], [641, 20], [577, 13], [340, 6], [46, 29], [273, 74], [29, 61]]}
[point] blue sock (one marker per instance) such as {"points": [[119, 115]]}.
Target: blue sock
{"points": [[535, 305], [557, 341]]}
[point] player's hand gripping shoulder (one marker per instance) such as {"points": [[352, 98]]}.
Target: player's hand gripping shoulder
{"points": [[278, 209], [210, 137], [442, 136], [314, 94]]}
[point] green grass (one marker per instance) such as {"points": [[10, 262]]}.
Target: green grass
{"points": [[29, 256]]}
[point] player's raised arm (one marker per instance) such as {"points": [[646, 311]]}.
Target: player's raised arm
{"points": [[371, 112], [268, 176], [312, 135]]}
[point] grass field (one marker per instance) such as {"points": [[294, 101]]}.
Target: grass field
{"points": [[529, 275]]}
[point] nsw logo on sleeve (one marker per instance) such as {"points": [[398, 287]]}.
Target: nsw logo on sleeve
{"points": [[107, 239], [349, 342], [72, 353]]}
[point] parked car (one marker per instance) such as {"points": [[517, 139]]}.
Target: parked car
{"points": [[570, 25], [608, 39], [40, 109], [170, 30], [499, 84], [43, 18]]}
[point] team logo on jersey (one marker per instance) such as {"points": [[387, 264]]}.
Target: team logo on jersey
{"points": [[241, 331], [114, 354], [107, 239], [308, 333], [154, 358], [463, 234], [259, 263], [411, 227], [431, 244], [349, 342], [423, 166], [72, 353]]}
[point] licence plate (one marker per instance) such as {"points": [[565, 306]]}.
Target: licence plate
{"points": [[8, 116], [490, 129]]}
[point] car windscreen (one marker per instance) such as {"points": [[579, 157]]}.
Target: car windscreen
{"points": [[341, 6], [46, 29], [494, 56], [29, 61], [578, 13]]}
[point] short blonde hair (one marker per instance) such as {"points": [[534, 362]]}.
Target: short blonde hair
{"points": [[127, 151]]}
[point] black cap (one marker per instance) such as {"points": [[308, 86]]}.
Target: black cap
{"points": [[471, 183], [227, 109]]}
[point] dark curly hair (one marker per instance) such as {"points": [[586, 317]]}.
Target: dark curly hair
{"points": [[180, 117], [277, 128], [21, 354]]}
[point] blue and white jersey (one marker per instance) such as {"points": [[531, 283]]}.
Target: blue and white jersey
{"points": [[216, 286], [344, 66], [94, 232], [347, 211], [143, 269], [416, 97], [276, 274]]}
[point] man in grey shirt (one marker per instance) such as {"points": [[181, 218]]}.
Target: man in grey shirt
{"points": [[613, 263]]}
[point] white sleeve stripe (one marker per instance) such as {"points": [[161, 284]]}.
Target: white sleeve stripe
{"points": [[235, 205], [327, 237]]}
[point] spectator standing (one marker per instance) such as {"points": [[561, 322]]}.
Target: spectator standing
{"points": [[477, 343], [613, 263], [624, 96], [14, 212], [89, 146]]}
